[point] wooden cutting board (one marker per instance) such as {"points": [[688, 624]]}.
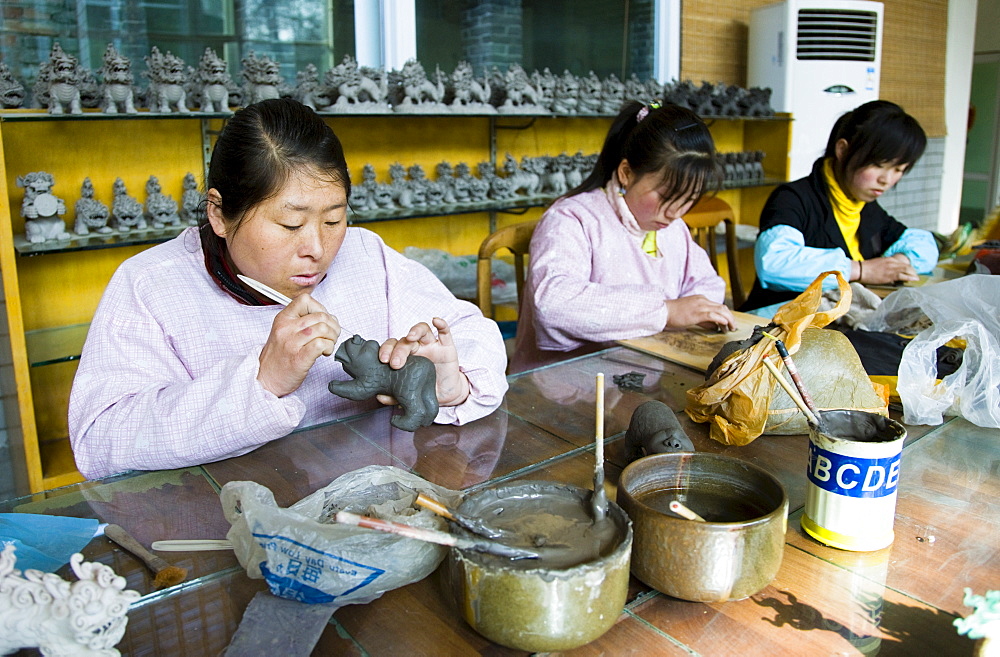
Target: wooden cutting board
{"points": [[693, 347]]}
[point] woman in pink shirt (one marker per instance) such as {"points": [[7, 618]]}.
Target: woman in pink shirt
{"points": [[185, 364], [612, 259]]}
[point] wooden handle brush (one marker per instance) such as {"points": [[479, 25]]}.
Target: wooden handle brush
{"points": [[166, 575]]}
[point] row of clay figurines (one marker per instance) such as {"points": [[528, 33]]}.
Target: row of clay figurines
{"points": [[545, 175], [64, 86], [42, 210]]}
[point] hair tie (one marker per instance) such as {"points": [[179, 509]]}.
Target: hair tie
{"points": [[644, 110]]}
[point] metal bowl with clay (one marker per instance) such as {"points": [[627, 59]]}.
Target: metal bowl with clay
{"points": [[566, 598], [735, 553]]}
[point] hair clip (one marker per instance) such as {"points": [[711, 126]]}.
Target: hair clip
{"points": [[685, 127], [644, 110]]}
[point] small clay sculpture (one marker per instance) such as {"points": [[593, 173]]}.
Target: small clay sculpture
{"points": [[162, 209], [654, 429], [42, 211], [589, 99], [307, 89], [213, 83], [629, 381], [125, 210], [567, 94], [191, 207], [59, 81], [469, 94], [117, 75], [414, 385], [521, 97], [11, 91], [167, 76], [356, 89], [417, 94], [612, 95], [521, 179], [261, 78], [91, 214]]}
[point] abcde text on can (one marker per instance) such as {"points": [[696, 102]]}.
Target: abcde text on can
{"points": [[852, 476]]}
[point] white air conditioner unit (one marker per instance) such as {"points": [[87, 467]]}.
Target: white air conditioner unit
{"points": [[820, 59]]}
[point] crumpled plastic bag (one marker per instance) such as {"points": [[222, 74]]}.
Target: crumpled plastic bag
{"points": [[737, 397], [964, 308], [304, 555], [45, 542]]}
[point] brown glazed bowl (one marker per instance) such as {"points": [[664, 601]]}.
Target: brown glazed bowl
{"points": [[734, 554], [527, 606]]}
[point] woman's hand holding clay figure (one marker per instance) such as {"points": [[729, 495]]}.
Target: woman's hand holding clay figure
{"points": [[452, 384], [700, 310], [883, 271], [302, 332]]}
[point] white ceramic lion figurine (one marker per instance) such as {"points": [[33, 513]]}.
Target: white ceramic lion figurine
{"points": [[61, 618]]}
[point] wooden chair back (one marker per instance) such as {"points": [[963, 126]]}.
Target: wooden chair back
{"points": [[702, 220], [514, 238]]}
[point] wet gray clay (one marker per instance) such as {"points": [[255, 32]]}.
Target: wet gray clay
{"points": [[654, 429], [414, 385]]}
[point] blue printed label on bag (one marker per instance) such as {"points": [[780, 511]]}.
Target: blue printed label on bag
{"points": [[851, 476], [295, 571]]}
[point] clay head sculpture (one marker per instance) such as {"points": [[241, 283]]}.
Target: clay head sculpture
{"points": [[413, 385], [654, 429]]}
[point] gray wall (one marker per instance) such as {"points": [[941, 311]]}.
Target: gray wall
{"points": [[916, 197]]}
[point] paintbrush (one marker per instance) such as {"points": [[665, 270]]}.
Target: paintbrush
{"points": [[599, 502], [434, 536], [474, 525], [677, 507], [812, 419], [794, 373], [268, 292], [166, 574]]}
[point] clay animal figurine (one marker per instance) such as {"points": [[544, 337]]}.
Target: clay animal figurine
{"points": [[162, 209], [522, 178], [654, 429], [355, 89], [125, 210], [522, 96], [11, 91], [58, 84], [42, 211], [117, 74], [191, 208], [91, 214], [419, 94], [414, 385], [213, 81], [470, 94], [42, 610], [567, 94], [261, 78], [307, 89], [167, 75]]}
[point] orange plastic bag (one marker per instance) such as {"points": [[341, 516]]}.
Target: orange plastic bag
{"points": [[736, 398]]}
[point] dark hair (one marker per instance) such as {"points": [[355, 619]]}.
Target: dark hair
{"points": [[877, 132], [262, 145], [257, 152], [670, 139]]}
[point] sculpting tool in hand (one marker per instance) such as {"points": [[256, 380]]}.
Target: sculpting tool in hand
{"points": [[166, 575], [276, 296], [192, 545], [599, 502], [812, 419], [794, 373], [434, 536], [474, 525]]}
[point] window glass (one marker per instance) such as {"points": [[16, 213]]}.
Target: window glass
{"points": [[292, 32], [575, 35]]}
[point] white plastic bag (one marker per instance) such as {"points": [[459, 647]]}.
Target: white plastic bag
{"points": [[304, 555], [966, 308]]}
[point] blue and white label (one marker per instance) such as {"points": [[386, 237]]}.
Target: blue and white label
{"points": [[297, 571], [851, 476]]}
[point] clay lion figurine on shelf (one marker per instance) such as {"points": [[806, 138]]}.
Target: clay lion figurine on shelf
{"points": [[117, 75], [414, 385], [42, 211], [86, 617], [59, 82]]}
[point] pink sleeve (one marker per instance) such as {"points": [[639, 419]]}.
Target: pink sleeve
{"points": [[134, 406], [576, 302]]}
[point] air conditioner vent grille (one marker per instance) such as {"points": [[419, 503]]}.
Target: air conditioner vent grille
{"points": [[837, 35]]}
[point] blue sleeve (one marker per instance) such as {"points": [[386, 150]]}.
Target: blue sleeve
{"points": [[784, 262], [917, 245]]}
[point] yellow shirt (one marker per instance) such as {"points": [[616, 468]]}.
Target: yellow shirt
{"points": [[845, 211]]}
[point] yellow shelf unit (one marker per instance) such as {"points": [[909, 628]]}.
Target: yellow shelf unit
{"points": [[52, 292]]}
